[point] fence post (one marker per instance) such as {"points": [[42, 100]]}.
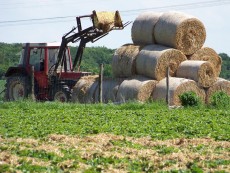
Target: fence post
{"points": [[32, 84], [167, 84], [101, 83]]}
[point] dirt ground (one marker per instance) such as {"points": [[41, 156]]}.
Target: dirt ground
{"points": [[113, 153]]}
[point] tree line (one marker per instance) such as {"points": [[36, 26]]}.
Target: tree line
{"points": [[91, 60]]}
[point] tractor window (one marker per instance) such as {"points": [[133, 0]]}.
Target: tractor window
{"points": [[68, 60], [21, 57], [53, 54], [37, 56]]}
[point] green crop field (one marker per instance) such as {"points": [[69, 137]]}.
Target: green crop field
{"points": [[132, 137]]}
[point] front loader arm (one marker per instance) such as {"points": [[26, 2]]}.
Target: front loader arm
{"points": [[92, 38], [67, 39], [101, 26]]}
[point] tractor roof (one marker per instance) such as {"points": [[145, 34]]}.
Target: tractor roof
{"points": [[53, 44]]}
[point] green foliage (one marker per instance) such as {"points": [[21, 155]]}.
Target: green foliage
{"points": [[28, 167], [93, 57], [163, 150], [4, 168], [36, 154], [2, 88], [216, 163], [28, 119], [225, 66], [189, 99], [91, 60], [125, 143], [220, 99], [194, 168], [9, 56], [133, 165]]}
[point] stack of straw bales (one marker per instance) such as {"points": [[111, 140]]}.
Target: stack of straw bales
{"points": [[161, 40], [177, 87], [143, 26], [173, 29], [152, 61], [208, 54], [109, 90], [220, 85], [86, 89], [200, 71], [136, 88], [124, 60]]}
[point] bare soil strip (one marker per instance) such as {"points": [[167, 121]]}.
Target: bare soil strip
{"points": [[113, 153]]}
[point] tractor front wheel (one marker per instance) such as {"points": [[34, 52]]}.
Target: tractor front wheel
{"points": [[16, 88], [62, 94]]}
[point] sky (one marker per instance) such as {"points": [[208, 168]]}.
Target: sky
{"points": [[16, 25]]}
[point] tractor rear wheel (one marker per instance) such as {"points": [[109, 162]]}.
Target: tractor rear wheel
{"points": [[62, 94], [16, 88]]}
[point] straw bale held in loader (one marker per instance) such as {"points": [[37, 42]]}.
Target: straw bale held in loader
{"points": [[106, 21]]}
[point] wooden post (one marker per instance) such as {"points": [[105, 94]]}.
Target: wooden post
{"points": [[167, 84], [32, 84], [101, 83]]}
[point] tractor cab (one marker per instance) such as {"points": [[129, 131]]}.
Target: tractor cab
{"points": [[43, 58]]}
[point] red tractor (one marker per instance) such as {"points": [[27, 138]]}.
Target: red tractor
{"points": [[54, 72]]}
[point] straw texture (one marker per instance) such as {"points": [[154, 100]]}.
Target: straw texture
{"points": [[177, 86], [208, 54], [137, 88], [84, 90], [105, 20], [180, 31], [109, 90], [123, 62], [220, 85], [152, 61], [202, 72], [143, 28]]}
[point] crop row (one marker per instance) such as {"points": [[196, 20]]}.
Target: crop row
{"points": [[29, 119]]}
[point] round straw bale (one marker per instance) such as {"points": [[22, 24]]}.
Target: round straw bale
{"points": [[84, 90], [123, 62], [220, 85], [202, 72], [143, 28], [109, 89], [152, 61], [208, 54], [137, 88], [180, 31], [177, 86]]}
